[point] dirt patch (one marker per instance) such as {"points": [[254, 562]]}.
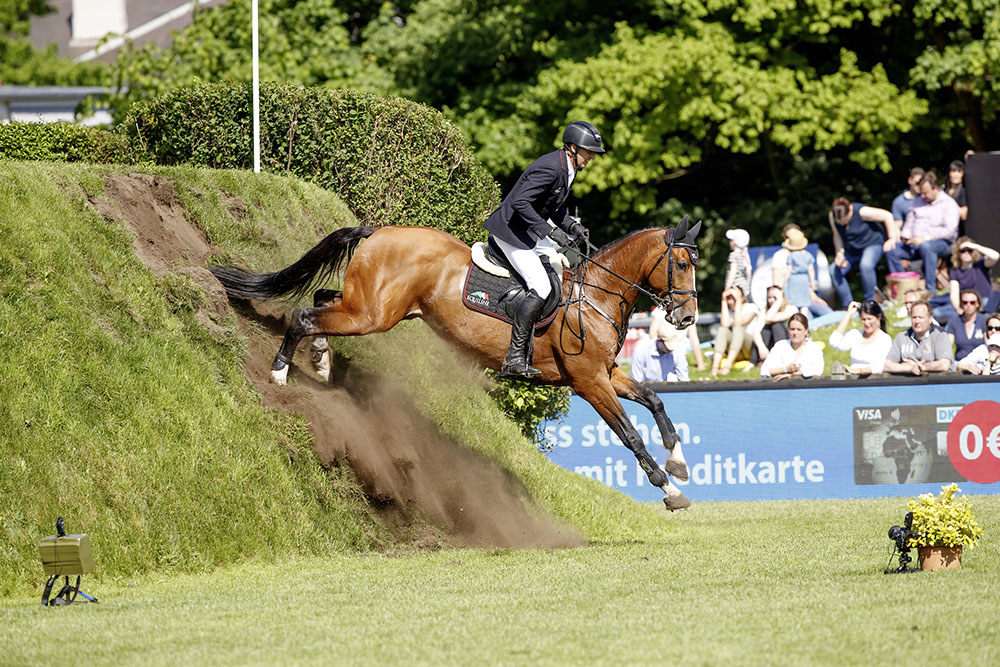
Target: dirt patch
{"points": [[165, 239], [412, 474]]}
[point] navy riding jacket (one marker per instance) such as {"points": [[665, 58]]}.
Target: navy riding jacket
{"points": [[539, 195]]}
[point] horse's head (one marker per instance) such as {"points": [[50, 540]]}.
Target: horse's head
{"points": [[672, 276]]}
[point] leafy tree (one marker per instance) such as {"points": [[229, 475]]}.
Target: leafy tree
{"points": [[757, 111], [308, 42], [962, 60]]}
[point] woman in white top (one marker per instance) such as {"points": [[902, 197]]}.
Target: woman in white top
{"points": [[869, 345], [795, 357]]}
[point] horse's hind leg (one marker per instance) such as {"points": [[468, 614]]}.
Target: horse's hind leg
{"points": [[320, 348], [601, 395], [628, 388], [343, 318]]}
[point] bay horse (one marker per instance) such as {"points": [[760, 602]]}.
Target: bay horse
{"points": [[402, 273]]}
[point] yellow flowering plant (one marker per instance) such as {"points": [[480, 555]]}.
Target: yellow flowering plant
{"points": [[943, 520]]}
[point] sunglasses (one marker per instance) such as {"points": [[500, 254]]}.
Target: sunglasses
{"points": [[965, 250], [970, 303], [989, 328]]}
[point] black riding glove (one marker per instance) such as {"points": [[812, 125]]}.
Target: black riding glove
{"points": [[579, 231], [559, 237]]}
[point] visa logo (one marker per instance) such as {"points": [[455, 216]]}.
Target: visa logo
{"points": [[868, 414], [946, 414]]}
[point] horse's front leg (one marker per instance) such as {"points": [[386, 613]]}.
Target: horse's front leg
{"points": [[601, 394], [627, 388]]}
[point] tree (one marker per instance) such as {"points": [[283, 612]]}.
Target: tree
{"points": [[786, 103], [963, 60]]}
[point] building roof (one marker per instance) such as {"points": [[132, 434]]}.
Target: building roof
{"points": [[147, 20]]}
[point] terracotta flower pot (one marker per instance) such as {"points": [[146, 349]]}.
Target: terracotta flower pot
{"points": [[940, 557]]}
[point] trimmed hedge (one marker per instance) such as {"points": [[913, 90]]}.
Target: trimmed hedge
{"points": [[393, 161], [62, 142]]}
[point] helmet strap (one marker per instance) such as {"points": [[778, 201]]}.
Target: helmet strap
{"points": [[571, 149]]}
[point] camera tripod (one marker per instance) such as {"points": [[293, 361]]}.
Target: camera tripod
{"points": [[904, 562]]}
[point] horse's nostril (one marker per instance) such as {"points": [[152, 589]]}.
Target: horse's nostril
{"points": [[687, 321]]}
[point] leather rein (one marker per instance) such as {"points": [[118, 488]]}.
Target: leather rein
{"points": [[664, 301]]}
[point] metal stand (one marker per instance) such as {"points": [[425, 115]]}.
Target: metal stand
{"points": [[904, 562], [66, 595]]}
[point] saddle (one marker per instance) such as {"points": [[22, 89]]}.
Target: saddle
{"points": [[494, 288]]}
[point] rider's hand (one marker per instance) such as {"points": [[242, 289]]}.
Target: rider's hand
{"points": [[559, 237], [579, 231]]}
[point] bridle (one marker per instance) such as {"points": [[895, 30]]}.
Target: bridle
{"points": [[667, 303], [664, 301]]}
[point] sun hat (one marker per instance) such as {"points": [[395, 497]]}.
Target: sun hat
{"points": [[667, 333], [740, 237], [796, 240]]}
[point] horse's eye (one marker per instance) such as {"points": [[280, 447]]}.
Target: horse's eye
{"points": [[683, 266]]}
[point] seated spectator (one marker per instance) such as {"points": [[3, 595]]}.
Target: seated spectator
{"points": [[869, 345], [860, 234], [795, 357], [931, 227], [800, 277], [905, 200], [659, 318], [660, 358], [956, 188], [775, 325], [779, 259], [734, 338], [968, 330], [738, 272], [985, 359], [916, 295], [919, 349], [970, 269]]}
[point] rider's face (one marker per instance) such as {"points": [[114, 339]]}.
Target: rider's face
{"points": [[582, 157]]}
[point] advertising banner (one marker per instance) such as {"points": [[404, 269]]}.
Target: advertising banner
{"points": [[849, 440]]}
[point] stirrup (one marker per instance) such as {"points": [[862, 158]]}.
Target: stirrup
{"points": [[514, 370]]}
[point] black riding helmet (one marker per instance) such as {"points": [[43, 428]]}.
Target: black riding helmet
{"points": [[584, 135]]}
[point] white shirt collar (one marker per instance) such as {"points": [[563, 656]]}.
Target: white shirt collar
{"points": [[572, 172]]}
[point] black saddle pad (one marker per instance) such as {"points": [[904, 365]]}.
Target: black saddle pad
{"points": [[493, 295]]}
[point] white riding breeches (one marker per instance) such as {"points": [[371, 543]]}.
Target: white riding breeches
{"points": [[529, 265]]}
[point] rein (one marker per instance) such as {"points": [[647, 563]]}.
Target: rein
{"points": [[665, 302]]}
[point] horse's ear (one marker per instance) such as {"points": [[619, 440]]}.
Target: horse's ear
{"points": [[693, 232], [682, 228]]}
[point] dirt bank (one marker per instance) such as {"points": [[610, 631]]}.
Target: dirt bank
{"points": [[413, 475]]}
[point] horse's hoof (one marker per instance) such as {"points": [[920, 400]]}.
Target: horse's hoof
{"points": [[676, 469], [280, 378], [676, 502]]}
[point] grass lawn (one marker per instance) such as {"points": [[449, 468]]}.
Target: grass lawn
{"points": [[794, 582]]}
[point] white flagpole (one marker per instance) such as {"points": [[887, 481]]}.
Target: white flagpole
{"points": [[256, 95]]}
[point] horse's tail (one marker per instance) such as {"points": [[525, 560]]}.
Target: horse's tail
{"points": [[315, 267]]}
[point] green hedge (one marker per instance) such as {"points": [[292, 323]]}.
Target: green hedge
{"points": [[394, 162], [62, 142]]}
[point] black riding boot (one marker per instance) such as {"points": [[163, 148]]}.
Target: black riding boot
{"points": [[518, 360]]}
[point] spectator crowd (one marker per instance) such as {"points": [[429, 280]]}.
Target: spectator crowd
{"points": [[949, 301]]}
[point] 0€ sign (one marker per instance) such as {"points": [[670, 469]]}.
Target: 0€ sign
{"points": [[974, 442]]}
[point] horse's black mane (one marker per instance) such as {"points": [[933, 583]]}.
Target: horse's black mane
{"points": [[610, 246]]}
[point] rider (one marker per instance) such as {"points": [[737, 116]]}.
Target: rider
{"points": [[532, 221]]}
